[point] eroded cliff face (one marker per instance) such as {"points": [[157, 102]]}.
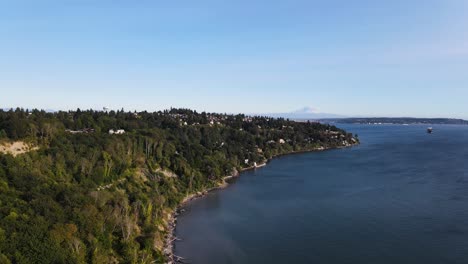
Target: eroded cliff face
{"points": [[16, 147]]}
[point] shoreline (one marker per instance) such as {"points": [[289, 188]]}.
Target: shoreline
{"points": [[169, 241]]}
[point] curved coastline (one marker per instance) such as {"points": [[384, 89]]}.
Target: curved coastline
{"points": [[168, 249]]}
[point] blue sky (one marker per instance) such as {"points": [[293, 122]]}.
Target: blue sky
{"points": [[355, 58]]}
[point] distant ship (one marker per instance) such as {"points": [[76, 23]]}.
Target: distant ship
{"points": [[429, 130]]}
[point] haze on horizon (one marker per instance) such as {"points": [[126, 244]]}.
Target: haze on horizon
{"points": [[359, 58]]}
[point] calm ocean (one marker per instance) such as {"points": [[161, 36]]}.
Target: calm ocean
{"points": [[399, 197]]}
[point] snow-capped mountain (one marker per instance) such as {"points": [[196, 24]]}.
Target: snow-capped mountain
{"points": [[305, 113]]}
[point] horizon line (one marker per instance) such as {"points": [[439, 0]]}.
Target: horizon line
{"points": [[6, 109]]}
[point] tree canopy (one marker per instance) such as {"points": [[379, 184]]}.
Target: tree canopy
{"points": [[87, 196]]}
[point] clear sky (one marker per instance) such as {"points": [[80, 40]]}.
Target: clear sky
{"points": [[366, 58]]}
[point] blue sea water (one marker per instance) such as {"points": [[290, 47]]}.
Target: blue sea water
{"points": [[399, 197]]}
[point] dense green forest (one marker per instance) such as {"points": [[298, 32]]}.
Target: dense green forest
{"points": [[88, 196]]}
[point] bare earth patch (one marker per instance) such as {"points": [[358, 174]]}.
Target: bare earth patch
{"points": [[16, 148], [167, 173]]}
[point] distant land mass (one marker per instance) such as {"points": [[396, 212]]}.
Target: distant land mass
{"points": [[305, 113], [397, 120]]}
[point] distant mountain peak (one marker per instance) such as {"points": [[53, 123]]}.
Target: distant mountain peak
{"points": [[310, 113], [307, 110]]}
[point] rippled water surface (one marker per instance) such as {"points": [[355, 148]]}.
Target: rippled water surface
{"points": [[399, 197]]}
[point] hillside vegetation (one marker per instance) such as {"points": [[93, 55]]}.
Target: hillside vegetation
{"points": [[87, 196]]}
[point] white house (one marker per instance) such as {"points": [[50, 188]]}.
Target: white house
{"points": [[116, 132]]}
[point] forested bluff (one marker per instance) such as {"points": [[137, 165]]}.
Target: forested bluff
{"points": [[75, 193]]}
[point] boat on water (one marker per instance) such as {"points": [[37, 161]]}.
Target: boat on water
{"points": [[429, 130]]}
